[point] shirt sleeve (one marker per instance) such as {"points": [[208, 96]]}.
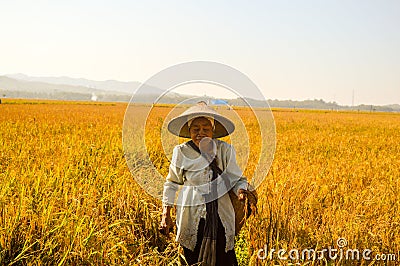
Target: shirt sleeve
{"points": [[174, 179], [233, 170]]}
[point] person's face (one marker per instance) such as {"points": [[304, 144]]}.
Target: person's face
{"points": [[200, 128]]}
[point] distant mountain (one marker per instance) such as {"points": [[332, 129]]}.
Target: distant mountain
{"points": [[107, 85], [23, 86], [66, 88], [11, 84]]}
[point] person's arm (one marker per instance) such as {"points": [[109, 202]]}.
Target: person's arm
{"points": [[234, 171], [173, 181]]}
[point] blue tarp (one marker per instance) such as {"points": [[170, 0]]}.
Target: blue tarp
{"points": [[218, 102]]}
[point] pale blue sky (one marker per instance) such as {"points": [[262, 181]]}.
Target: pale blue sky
{"points": [[290, 49]]}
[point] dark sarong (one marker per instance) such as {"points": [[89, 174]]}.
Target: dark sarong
{"points": [[211, 251], [223, 258]]}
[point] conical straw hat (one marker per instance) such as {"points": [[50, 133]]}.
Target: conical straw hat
{"points": [[179, 125]]}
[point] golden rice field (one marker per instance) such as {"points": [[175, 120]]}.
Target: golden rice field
{"points": [[67, 196]]}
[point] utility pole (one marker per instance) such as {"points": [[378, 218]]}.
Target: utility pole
{"points": [[352, 100]]}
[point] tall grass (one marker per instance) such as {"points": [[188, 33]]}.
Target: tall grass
{"points": [[68, 198]]}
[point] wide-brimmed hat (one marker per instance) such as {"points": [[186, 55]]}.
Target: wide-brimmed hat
{"points": [[179, 125]]}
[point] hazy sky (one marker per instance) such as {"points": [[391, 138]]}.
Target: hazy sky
{"points": [[290, 49]]}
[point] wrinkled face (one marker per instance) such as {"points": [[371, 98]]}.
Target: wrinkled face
{"points": [[200, 128]]}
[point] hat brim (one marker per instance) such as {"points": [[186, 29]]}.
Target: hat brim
{"points": [[179, 126]]}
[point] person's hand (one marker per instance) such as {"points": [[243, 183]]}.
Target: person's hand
{"points": [[242, 194], [166, 225], [166, 221], [208, 148]]}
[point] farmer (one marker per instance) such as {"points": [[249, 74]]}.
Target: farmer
{"points": [[203, 170]]}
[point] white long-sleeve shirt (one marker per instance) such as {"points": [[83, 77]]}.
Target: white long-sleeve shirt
{"points": [[190, 176]]}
